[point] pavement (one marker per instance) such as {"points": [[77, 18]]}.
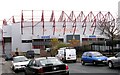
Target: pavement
{"points": [[2, 62]]}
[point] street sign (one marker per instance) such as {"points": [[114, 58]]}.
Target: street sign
{"points": [[45, 37]]}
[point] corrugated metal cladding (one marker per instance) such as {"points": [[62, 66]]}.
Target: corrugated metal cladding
{"points": [[70, 37]]}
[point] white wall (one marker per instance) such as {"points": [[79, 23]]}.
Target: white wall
{"points": [[7, 31], [15, 32], [48, 29], [119, 9], [26, 46], [16, 36]]}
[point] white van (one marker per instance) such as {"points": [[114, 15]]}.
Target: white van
{"points": [[67, 54]]}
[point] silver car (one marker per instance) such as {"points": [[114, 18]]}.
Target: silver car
{"points": [[19, 63], [114, 61]]}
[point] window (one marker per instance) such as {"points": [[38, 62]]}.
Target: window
{"points": [[30, 63], [53, 61], [97, 54], [85, 54], [89, 54], [100, 39], [118, 54], [84, 39], [38, 47], [33, 63], [90, 39], [20, 59], [26, 41]]}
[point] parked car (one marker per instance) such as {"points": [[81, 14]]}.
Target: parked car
{"points": [[30, 54], [114, 61], [8, 57], [93, 57], [19, 63], [46, 65]]}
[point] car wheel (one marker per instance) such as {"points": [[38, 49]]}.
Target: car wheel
{"points": [[13, 68], [82, 62], [110, 64], [94, 63], [6, 59]]}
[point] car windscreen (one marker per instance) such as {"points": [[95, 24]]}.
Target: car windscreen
{"points": [[50, 61], [20, 59], [30, 52], [97, 54]]}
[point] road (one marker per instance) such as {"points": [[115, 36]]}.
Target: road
{"points": [[90, 68], [74, 68]]}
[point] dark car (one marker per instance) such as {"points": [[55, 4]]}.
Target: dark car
{"points": [[30, 54], [8, 57], [93, 57], [114, 61], [45, 66]]}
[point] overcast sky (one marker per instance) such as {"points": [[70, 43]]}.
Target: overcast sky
{"points": [[9, 8]]}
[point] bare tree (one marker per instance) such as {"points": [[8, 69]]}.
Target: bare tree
{"points": [[110, 29]]}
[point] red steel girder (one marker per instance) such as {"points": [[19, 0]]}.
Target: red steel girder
{"points": [[4, 22], [13, 19], [109, 18], [99, 17], [54, 27], [62, 17], [84, 25], [74, 27], [64, 27], [71, 17], [94, 25], [90, 17], [22, 20], [80, 17], [52, 19], [42, 20], [52, 16]]}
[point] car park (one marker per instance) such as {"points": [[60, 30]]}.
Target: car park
{"points": [[114, 61], [93, 57], [19, 63], [46, 65]]}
